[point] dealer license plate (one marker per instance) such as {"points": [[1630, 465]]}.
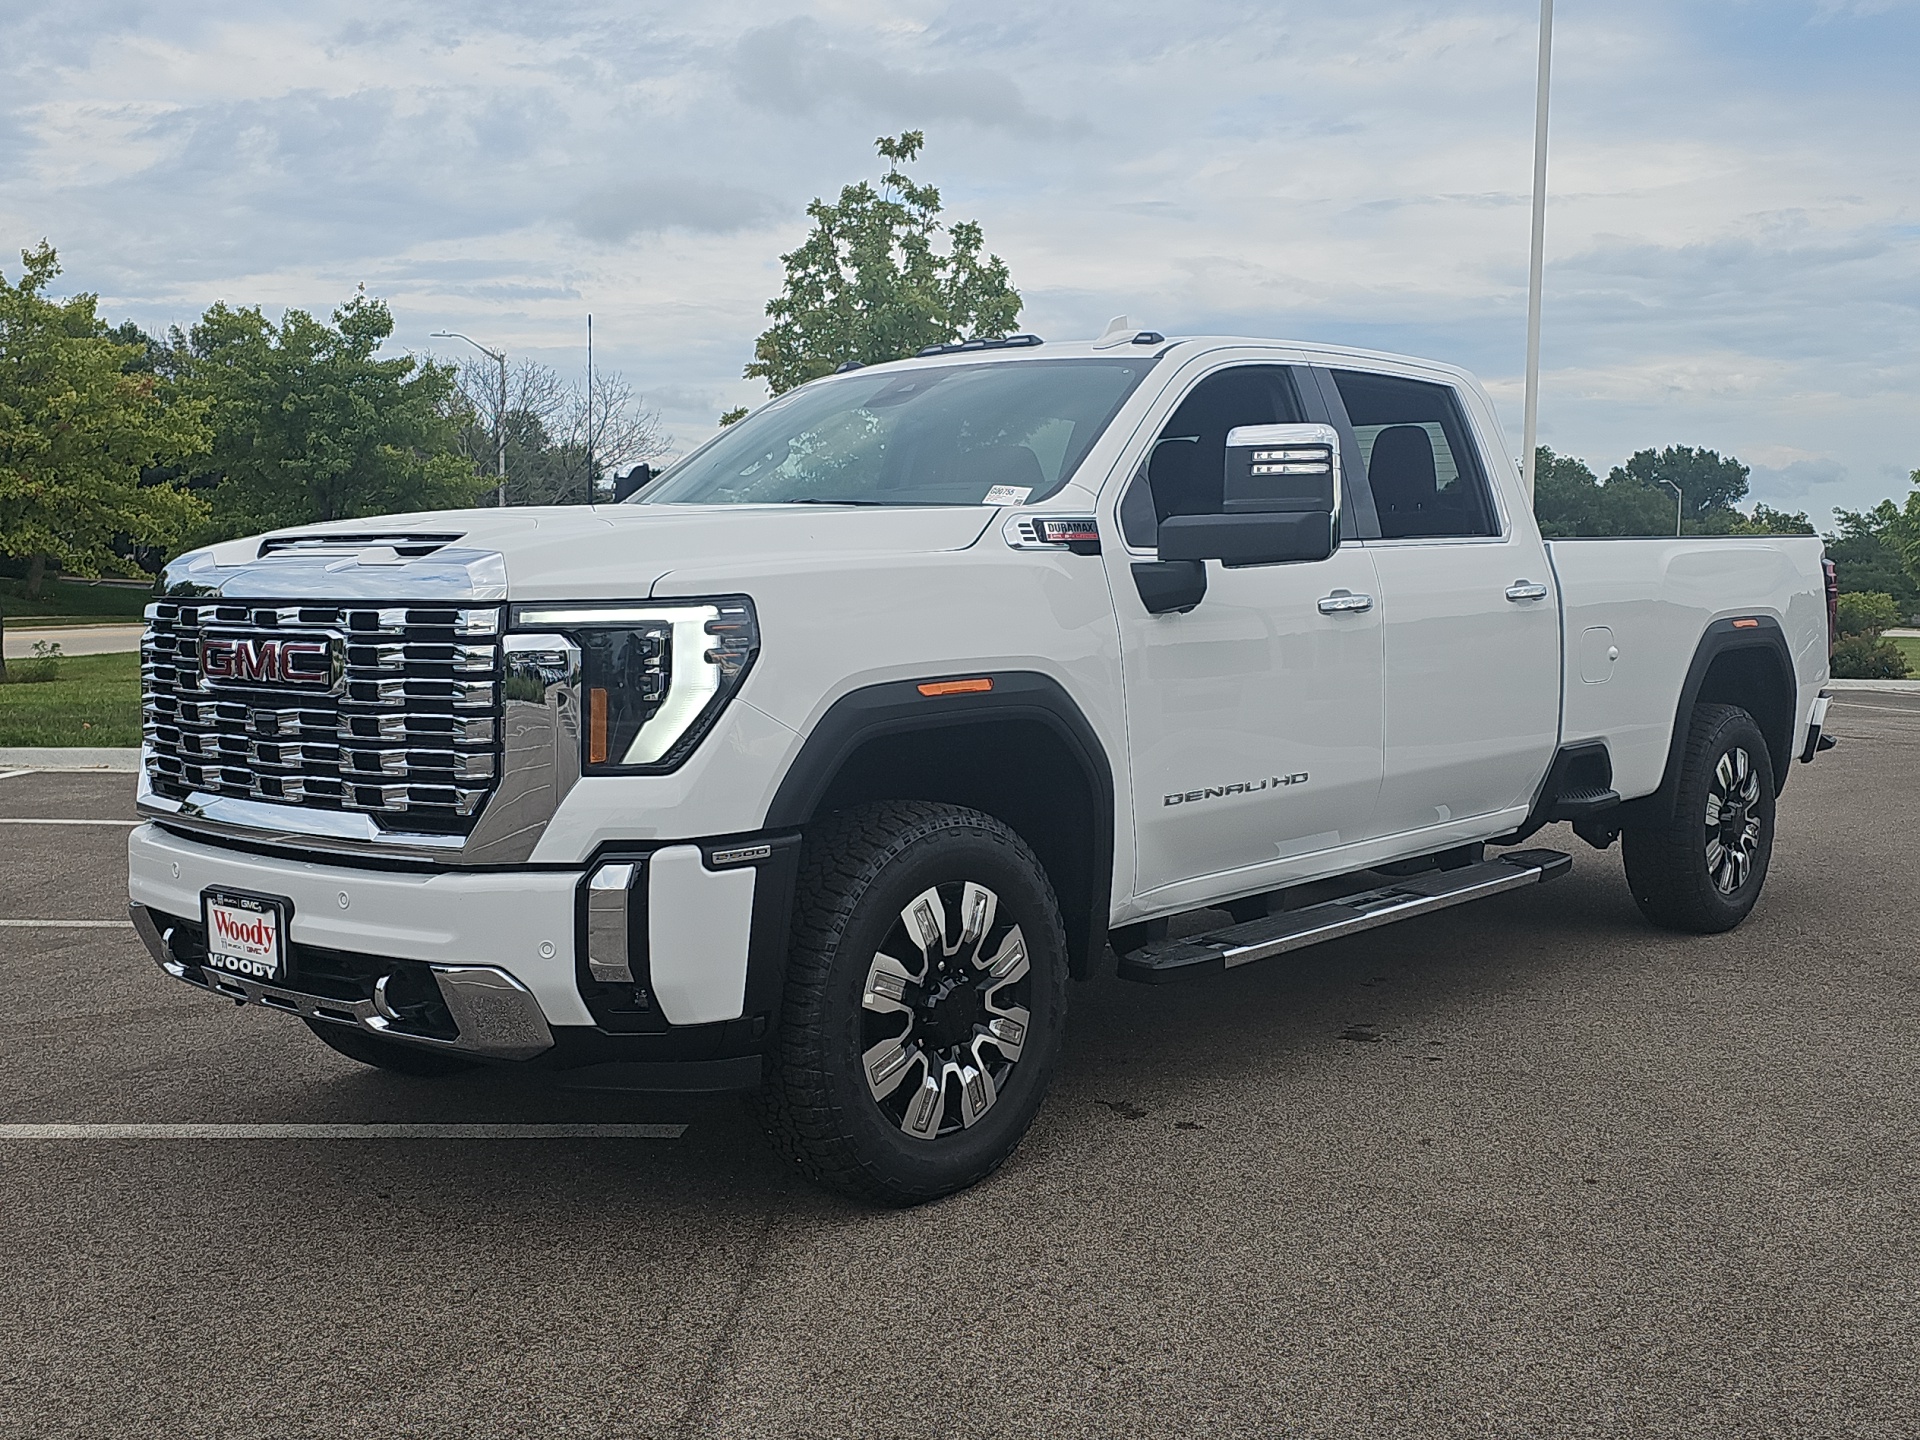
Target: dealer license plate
{"points": [[246, 934]]}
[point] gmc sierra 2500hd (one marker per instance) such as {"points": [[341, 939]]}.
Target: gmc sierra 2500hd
{"points": [[817, 767]]}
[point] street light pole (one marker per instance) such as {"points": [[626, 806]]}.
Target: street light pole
{"points": [[500, 415], [1536, 262]]}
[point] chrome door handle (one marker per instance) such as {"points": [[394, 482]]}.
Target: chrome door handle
{"points": [[1342, 601], [1526, 590]]}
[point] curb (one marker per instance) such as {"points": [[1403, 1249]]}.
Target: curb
{"points": [[113, 760], [1889, 687]]}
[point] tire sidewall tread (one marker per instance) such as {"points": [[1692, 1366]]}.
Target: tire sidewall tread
{"points": [[854, 866]]}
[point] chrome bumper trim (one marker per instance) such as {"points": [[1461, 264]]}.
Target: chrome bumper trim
{"points": [[494, 1015]]}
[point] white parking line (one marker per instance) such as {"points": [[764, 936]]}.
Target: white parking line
{"points": [[341, 1132], [9, 820], [64, 924], [9, 774]]}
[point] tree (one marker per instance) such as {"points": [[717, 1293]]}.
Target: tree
{"points": [[310, 425], [80, 418], [867, 284], [1710, 484], [1863, 652], [552, 447], [1878, 550], [1568, 499]]}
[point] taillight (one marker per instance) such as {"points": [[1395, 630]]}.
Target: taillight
{"points": [[1833, 603]]}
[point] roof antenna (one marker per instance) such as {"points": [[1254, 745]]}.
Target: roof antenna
{"points": [[1119, 331]]}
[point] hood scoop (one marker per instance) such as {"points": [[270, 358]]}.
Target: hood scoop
{"points": [[407, 546]]}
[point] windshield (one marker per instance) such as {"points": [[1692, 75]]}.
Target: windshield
{"points": [[996, 434]]}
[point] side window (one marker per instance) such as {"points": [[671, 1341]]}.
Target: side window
{"points": [[1185, 473], [1419, 461]]}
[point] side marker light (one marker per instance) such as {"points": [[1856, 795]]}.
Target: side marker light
{"points": [[933, 688]]}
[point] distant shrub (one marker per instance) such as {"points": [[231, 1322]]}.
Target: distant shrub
{"points": [[44, 666], [1867, 614], [1868, 657]]}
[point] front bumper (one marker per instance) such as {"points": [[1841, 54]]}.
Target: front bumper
{"points": [[492, 1015], [507, 964]]}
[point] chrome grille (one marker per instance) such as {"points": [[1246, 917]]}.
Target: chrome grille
{"points": [[410, 728]]}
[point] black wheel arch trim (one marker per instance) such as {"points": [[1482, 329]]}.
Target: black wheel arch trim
{"points": [[1761, 634], [898, 707]]}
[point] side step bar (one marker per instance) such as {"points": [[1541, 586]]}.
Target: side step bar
{"points": [[1262, 939]]}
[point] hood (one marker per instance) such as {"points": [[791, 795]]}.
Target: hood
{"points": [[568, 552]]}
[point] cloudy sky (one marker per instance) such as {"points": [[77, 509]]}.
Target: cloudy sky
{"points": [[1733, 239]]}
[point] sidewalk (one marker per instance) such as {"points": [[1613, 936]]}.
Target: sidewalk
{"points": [[70, 757], [74, 639]]}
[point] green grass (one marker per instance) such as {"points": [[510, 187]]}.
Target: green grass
{"points": [[95, 701], [72, 600], [1909, 647]]}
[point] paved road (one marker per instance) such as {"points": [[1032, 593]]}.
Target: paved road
{"points": [[1524, 1169], [72, 639]]}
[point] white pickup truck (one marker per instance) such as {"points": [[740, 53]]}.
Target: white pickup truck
{"points": [[818, 767]]}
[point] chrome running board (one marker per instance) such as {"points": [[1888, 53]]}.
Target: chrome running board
{"points": [[1271, 935]]}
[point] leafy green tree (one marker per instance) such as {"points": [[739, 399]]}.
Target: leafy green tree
{"points": [[1710, 484], [1863, 652], [1569, 500], [80, 418], [868, 285], [1879, 550], [1867, 614], [310, 424], [1766, 520]]}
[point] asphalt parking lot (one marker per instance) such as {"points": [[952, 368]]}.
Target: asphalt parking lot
{"points": [[1524, 1168]]}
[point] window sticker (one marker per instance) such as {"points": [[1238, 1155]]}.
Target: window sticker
{"points": [[1008, 495]]}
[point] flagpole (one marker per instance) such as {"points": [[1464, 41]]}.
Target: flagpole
{"points": [[1531, 428]]}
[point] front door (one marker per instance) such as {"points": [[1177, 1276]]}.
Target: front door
{"points": [[1254, 720]]}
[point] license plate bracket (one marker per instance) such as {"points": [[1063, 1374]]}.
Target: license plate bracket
{"points": [[246, 933]]}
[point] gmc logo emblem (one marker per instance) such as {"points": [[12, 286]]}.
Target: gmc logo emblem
{"points": [[306, 662]]}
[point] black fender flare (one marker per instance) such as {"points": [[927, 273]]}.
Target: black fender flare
{"points": [[1760, 633], [900, 707]]}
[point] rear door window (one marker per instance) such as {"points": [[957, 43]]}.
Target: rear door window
{"points": [[1419, 460]]}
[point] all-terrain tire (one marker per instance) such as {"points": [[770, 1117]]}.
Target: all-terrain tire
{"points": [[394, 1055], [1702, 870], [857, 973]]}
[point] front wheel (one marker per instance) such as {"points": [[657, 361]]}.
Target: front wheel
{"points": [[925, 1002], [1702, 869]]}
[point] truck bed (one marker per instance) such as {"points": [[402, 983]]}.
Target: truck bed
{"points": [[1650, 600]]}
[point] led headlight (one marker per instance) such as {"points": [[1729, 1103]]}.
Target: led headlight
{"points": [[653, 678]]}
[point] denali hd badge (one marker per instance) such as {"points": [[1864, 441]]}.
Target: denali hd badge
{"points": [[1244, 787], [305, 662]]}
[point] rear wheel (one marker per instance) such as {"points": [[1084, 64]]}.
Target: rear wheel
{"points": [[1703, 869], [925, 1002], [394, 1055]]}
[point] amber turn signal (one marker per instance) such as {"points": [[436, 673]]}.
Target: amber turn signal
{"points": [[956, 687], [596, 726]]}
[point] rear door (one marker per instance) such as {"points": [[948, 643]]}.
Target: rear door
{"points": [[1472, 688]]}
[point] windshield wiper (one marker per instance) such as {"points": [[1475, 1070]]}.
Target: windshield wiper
{"points": [[819, 500]]}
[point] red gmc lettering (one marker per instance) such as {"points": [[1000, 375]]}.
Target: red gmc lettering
{"points": [[285, 662]]}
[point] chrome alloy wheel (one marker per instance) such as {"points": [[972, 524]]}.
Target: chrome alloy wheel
{"points": [[1733, 820], [943, 1027]]}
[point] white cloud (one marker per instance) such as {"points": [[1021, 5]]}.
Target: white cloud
{"points": [[1733, 238]]}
